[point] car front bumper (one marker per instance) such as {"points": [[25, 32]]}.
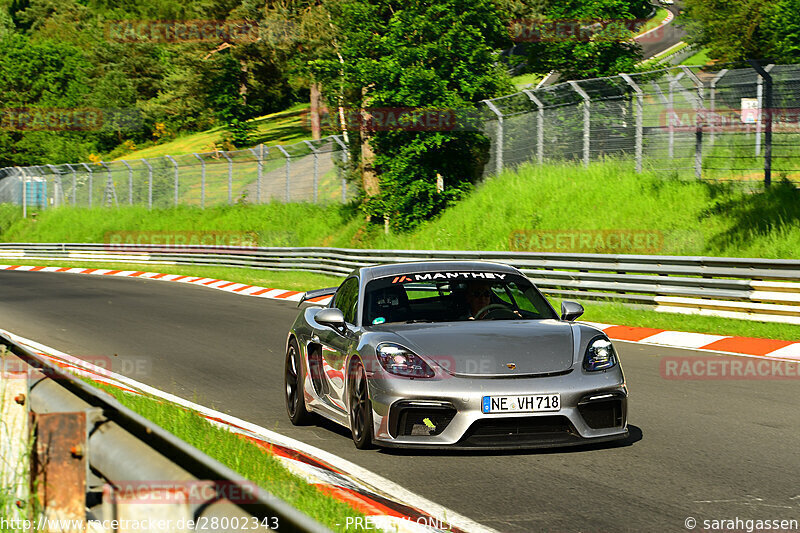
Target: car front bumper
{"points": [[593, 409]]}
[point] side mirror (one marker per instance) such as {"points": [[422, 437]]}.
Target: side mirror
{"points": [[570, 311], [331, 317]]}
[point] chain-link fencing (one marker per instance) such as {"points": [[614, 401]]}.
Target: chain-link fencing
{"points": [[310, 171], [708, 122]]}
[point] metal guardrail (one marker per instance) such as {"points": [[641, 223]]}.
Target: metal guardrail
{"points": [[97, 443], [756, 289]]}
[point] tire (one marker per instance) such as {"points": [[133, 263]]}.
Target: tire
{"points": [[360, 407], [293, 386]]}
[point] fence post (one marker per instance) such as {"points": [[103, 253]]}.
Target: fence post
{"points": [[91, 178], [713, 104], [149, 183], [539, 125], [760, 98], [316, 167], [587, 102], [57, 180], [24, 193], [671, 112], [110, 195], [343, 146], [130, 182], [74, 184], [639, 118], [230, 177], [202, 181], [698, 130], [767, 82], [260, 160], [288, 169], [175, 164], [498, 158]]}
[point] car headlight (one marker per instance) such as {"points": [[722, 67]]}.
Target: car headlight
{"points": [[401, 361], [600, 355]]}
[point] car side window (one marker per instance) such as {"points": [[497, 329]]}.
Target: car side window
{"points": [[347, 300]]}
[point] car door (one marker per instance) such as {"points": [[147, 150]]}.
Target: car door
{"points": [[336, 345]]}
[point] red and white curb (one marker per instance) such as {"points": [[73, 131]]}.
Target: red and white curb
{"points": [[742, 346], [663, 23], [386, 505], [213, 283]]}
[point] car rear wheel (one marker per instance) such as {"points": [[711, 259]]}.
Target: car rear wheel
{"points": [[360, 407], [293, 381]]}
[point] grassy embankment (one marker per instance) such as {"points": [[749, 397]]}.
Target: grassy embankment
{"points": [[284, 127]]}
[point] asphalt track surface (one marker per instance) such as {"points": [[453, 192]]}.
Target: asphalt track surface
{"points": [[670, 35], [701, 449]]}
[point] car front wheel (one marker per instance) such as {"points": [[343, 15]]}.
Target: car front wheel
{"points": [[360, 407]]}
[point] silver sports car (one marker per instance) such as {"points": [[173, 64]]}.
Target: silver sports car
{"points": [[463, 354]]}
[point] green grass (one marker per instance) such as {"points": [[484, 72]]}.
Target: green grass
{"points": [[242, 456], [654, 21], [690, 217], [699, 59], [627, 315], [653, 63], [285, 127], [524, 80]]}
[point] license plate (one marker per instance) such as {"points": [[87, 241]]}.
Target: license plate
{"points": [[529, 403]]}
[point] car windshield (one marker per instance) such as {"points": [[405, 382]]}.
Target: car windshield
{"points": [[453, 296]]}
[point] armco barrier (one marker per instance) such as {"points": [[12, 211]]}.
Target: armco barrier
{"points": [[755, 289], [94, 460]]}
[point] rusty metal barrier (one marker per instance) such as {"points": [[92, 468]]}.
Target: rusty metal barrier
{"points": [[82, 461]]}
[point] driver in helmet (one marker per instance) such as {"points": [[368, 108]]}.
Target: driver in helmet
{"points": [[478, 295]]}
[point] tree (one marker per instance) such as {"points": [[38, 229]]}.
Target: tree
{"points": [[733, 32], [736, 31], [783, 24], [606, 50], [439, 58]]}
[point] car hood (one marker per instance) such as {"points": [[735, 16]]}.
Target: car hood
{"points": [[492, 347]]}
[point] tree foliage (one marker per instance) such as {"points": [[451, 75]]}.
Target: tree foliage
{"points": [[608, 51], [436, 56], [767, 30]]}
